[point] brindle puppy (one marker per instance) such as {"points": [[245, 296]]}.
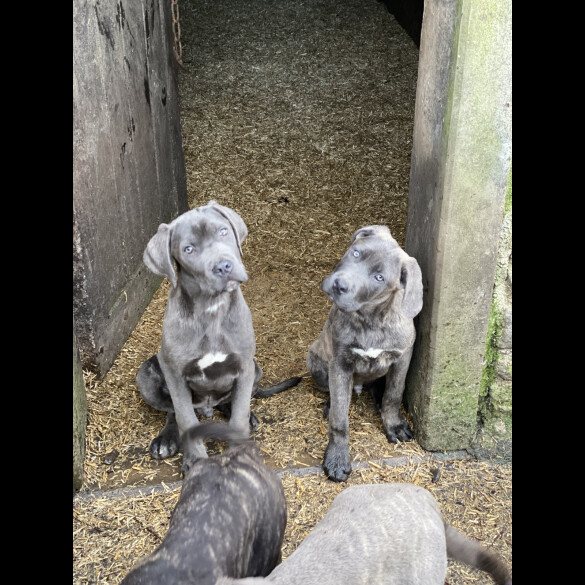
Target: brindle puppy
{"points": [[383, 534], [377, 290], [229, 520], [206, 357]]}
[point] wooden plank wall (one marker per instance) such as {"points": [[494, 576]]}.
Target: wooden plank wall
{"points": [[128, 164]]}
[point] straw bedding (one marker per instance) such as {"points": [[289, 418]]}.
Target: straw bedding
{"points": [[299, 116], [110, 534]]}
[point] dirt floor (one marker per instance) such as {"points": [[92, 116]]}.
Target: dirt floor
{"points": [[299, 116]]}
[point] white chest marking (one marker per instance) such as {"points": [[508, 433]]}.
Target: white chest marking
{"points": [[214, 308], [210, 358], [369, 353]]}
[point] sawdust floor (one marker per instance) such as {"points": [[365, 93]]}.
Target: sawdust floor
{"points": [[299, 116]]}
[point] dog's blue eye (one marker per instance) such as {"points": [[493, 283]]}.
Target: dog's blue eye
{"points": [[188, 249], [379, 278], [223, 231], [356, 253]]}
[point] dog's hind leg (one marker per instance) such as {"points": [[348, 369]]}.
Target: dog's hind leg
{"points": [[154, 391], [326, 408], [257, 376], [319, 369], [153, 388], [376, 389]]}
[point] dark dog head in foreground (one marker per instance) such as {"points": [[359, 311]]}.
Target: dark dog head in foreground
{"points": [[229, 520], [206, 358]]}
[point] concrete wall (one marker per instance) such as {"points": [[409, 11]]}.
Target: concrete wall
{"points": [[128, 164], [495, 413], [459, 171]]}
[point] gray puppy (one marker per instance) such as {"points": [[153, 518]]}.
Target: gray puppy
{"points": [[206, 357], [229, 520], [377, 291], [387, 534]]}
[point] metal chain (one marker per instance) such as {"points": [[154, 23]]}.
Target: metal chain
{"points": [[178, 50]]}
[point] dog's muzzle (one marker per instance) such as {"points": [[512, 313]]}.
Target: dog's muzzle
{"points": [[339, 287], [230, 272], [224, 268], [334, 287], [341, 292]]}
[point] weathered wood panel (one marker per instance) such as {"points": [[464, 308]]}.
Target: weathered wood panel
{"points": [[128, 164], [79, 418]]}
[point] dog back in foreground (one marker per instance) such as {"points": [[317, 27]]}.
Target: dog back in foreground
{"points": [[229, 520], [383, 534]]}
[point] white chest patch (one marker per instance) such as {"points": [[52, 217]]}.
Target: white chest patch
{"points": [[210, 358], [368, 353], [214, 308]]}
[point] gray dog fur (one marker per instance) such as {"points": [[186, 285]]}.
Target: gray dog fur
{"points": [[377, 291], [229, 520], [206, 357], [386, 534]]}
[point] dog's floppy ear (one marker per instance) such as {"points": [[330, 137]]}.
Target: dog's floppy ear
{"points": [[237, 223], [157, 255], [362, 233], [411, 282], [381, 231]]}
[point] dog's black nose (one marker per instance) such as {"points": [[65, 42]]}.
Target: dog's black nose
{"points": [[339, 286], [223, 268]]}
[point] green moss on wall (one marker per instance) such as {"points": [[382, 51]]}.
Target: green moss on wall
{"points": [[488, 376], [495, 397], [508, 203]]}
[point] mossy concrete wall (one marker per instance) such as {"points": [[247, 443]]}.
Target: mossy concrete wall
{"points": [[495, 412], [459, 172]]}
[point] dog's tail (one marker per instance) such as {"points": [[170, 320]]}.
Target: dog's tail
{"points": [[272, 390], [461, 548], [217, 431]]}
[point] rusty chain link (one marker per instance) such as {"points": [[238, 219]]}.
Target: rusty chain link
{"points": [[178, 50]]}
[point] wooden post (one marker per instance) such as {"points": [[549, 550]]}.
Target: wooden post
{"points": [[128, 164]]}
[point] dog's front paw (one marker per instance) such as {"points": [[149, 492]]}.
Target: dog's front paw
{"points": [[337, 464], [165, 445], [399, 432]]}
